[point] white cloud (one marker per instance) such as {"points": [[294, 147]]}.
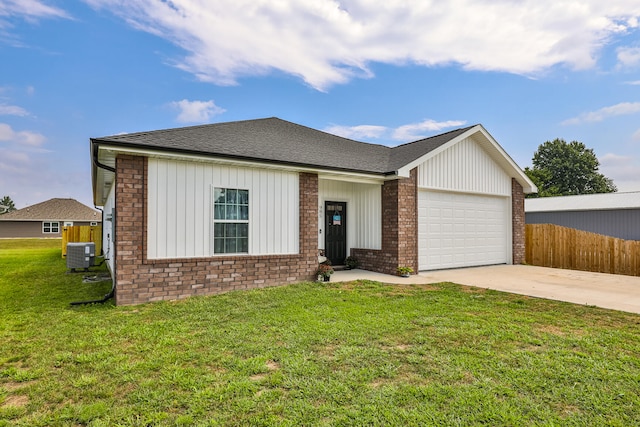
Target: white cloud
{"points": [[196, 111], [23, 162], [326, 42], [13, 161], [25, 137], [629, 57], [624, 170], [404, 133], [417, 131], [633, 83], [30, 9], [361, 132], [636, 135], [12, 110], [26, 10], [623, 108], [612, 159], [22, 174]]}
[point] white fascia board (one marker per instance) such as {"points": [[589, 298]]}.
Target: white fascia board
{"points": [[112, 151], [352, 178], [494, 150]]}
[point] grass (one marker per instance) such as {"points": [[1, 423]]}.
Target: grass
{"points": [[359, 353]]}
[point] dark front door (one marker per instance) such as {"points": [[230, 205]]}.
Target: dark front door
{"points": [[335, 237]]}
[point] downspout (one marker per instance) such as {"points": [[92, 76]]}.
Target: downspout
{"points": [[100, 165], [111, 293]]}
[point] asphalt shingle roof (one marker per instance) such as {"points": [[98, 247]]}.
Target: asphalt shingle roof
{"points": [[279, 141], [54, 209]]}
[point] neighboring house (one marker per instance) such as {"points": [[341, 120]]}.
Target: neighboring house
{"points": [[47, 219], [611, 214], [212, 208]]}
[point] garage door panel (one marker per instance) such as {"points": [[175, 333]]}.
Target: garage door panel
{"points": [[459, 230]]}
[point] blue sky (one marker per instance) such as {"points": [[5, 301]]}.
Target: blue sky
{"points": [[529, 71]]}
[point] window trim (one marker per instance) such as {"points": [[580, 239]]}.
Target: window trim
{"points": [[50, 225], [215, 220]]}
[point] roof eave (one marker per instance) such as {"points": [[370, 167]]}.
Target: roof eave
{"points": [[101, 177], [106, 147], [177, 152]]}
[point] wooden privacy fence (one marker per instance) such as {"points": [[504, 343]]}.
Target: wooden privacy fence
{"points": [[82, 233], [549, 245]]}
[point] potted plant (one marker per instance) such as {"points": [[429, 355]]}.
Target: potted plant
{"points": [[324, 272], [351, 262], [404, 271]]}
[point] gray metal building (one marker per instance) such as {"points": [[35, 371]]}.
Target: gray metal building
{"points": [[611, 214]]}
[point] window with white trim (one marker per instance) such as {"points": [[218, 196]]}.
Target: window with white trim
{"points": [[50, 227], [230, 221]]}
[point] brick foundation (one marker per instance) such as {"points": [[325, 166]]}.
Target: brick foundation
{"points": [[140, 280], [518, 222], [399, 229]]}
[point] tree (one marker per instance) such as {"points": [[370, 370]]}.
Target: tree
{"points": [[563, 169], [6, 205]]}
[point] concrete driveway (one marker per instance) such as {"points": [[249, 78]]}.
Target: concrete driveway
{"points": [[611, 291]]}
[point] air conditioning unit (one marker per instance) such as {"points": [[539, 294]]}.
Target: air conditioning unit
{"points": [[80, 255]]}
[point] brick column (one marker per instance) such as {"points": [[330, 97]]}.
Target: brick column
{"points": [[408, 221], [389, 254], [399, 226], [308, 184], [517, 222], [130, 224]]}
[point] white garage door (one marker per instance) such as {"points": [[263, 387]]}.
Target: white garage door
{"points": [[462, 230]]}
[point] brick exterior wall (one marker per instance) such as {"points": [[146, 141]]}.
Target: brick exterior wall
{"points": [[140, 280], [373, 260], [399, 228], [517, 222]]}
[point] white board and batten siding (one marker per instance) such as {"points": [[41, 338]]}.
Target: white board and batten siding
{"points": [[107, 228], [364, 211], [464, 209], [180, 211]]}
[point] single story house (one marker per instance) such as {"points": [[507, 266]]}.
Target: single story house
{"points": [[238, 205], [611, 214], [46, 219]]}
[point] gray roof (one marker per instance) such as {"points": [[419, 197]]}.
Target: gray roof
{"points": [[584, 202], [54, 209], [275, 140]]}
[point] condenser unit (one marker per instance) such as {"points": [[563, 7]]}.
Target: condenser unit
{"points": [[80, 255]]}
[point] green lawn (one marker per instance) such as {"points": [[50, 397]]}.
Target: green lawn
{"points": [[360, 353]]}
